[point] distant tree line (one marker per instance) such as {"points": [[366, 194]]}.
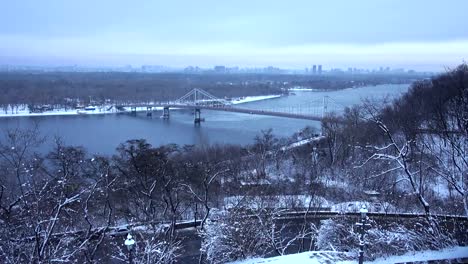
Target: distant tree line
{"points": [[62, 88]]}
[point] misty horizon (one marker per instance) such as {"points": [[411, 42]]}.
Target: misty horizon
{"points": [[420, 35]]}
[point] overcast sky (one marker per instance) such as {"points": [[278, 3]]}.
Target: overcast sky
{"points": [[420, 34]]}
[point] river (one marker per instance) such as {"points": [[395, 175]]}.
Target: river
{"points": [[101, 134]]}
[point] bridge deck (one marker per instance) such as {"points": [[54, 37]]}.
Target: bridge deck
{"points": [[234, 110]]}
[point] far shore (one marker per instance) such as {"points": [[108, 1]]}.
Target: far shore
{"points": [[109, 109]]}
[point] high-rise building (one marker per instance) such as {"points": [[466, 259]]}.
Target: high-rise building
{"points": [[220, 69], [314, 69], [320, 69]]}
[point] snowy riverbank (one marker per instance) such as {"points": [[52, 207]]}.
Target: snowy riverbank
{"points": [[249, 99], [303, 89], [23, 110]]}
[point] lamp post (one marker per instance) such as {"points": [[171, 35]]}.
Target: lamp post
{"points": [[362, 231], [129, 242]]}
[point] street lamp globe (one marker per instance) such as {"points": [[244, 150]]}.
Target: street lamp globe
{"points": [[129, 242], [363, 211]]}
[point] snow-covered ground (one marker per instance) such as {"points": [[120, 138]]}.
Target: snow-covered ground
{"points": [[312, 257], [320, 257], [24, 111], [355, 206], [249, 99], [449, 253], [108, 109], [302, 89], [303, 142]]}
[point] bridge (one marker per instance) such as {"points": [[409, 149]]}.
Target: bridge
{"points": [[198, 99]]}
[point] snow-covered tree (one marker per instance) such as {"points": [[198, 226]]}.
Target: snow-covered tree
{"points": [[231, 236], [382, 240]]}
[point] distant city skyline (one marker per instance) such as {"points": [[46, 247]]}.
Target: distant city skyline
{"points": [[421, 35], [223, 69]]}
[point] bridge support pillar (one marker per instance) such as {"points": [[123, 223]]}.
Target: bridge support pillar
{"points": [[198, 118], [165, 112], [149, 111]]}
